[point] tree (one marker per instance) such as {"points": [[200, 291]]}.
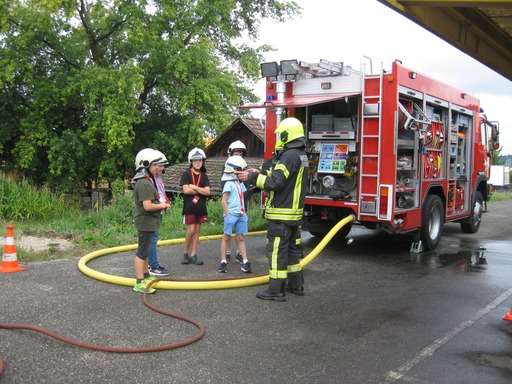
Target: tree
{"points": [[86, 84], [496, 158]]}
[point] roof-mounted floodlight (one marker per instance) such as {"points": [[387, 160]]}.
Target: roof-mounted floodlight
{"points": [[269, 69], [288, 70], [286, 67]]}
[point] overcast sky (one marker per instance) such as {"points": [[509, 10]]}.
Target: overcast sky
{"points": [[347, 30]]}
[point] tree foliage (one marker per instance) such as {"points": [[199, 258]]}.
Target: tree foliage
{"points": [[86, 84], [496, 158]]}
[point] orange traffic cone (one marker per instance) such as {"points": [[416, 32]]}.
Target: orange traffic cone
{"points": [[9, 260], [508, 316]]}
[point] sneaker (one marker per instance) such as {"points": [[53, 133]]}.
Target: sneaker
{"points": [[223, 268], [228, 257], [246, 267], [195, 260], [158, 271], [238, 258], [141, 287], [185, 259]]}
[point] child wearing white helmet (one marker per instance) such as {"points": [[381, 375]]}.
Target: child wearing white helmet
{"points": [[147, 213], [155, 269], [236, 148], [196, 187], [235, 215]]}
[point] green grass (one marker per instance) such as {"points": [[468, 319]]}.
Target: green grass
{"points": [[20, 201], [37, 212], [501, 196]]}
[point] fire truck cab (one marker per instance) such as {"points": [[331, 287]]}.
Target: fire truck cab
{"points": [[399, 150]]}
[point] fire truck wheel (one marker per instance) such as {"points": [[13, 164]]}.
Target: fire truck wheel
{"points": [[476, 216], [432, 222]]}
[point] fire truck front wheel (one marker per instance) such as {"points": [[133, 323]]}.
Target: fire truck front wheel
{"points": [[432, 222], [476, 216]]}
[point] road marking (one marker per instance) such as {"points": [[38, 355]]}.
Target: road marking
{"points": [[430, 349]]}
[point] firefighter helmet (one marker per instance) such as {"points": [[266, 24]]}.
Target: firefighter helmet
{"points": [[237, 146], [235, 163], [289, 129], [146, 157], [196, 154], [163, 159]]}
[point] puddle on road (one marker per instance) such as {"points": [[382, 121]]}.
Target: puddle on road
{"points": [[461, 262]]}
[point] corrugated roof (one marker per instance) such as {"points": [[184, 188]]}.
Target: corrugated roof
{"points": [[255, 126], [214, 166]]}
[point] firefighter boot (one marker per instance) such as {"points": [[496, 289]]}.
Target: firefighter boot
{"points": [[275, 291], [295, 283]]}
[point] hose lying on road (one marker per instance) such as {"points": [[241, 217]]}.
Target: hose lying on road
{"points": [[168, 283], [122, 350]]}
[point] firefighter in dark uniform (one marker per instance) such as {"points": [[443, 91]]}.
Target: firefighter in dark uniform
{"points": [[266, 169], [286, 184]]}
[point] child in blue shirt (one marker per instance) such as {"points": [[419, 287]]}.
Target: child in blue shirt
{"points": [[234, 212]]}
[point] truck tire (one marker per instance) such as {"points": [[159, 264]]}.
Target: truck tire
{"points": [[432, 222], [476, 215]]}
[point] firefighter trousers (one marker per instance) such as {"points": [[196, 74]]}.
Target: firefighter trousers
{"points": [[283, 255]]}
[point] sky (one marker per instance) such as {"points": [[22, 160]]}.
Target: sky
{"points": [[347, 30]]}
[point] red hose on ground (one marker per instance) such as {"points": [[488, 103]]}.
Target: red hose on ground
{"points": [[123, 350]]}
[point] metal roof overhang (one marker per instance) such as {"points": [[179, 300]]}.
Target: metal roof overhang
{"points": [[298, 101], [480, 28]]}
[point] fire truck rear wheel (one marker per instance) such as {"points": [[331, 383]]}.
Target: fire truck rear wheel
{"points": [[476, 216], [432, 222]]}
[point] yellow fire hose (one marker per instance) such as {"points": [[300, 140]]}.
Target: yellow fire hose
{"points": [[165, 284], [197, 284]]}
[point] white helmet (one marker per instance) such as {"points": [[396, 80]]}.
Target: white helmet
{"points": [[146, 157], [237, 146], [196, 154], [235, 163], [163, 160]]}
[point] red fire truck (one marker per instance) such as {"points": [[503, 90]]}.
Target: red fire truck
{"points": [[399, 150]]}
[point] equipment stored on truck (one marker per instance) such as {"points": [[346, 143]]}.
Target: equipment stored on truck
{"points": [[399, 150]]}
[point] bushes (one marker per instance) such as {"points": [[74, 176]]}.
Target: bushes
{"points": [[34, 210]]}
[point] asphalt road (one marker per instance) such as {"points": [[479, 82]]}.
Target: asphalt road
{"points": [[373, 313]]}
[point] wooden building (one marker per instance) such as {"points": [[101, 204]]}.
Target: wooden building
{"points": [[247, 130]]}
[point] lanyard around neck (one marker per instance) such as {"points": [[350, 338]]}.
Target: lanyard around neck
{"points": [[240, 195], [160, 184], [194, 179]]}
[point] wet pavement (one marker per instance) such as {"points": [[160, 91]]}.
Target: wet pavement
{"points": [[373, 313]]}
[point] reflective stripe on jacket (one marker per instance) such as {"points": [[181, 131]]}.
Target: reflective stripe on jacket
{"points": [[286, 183]]}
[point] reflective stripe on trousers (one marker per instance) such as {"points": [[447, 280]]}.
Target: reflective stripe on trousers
{"points": [[282, 250]]}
